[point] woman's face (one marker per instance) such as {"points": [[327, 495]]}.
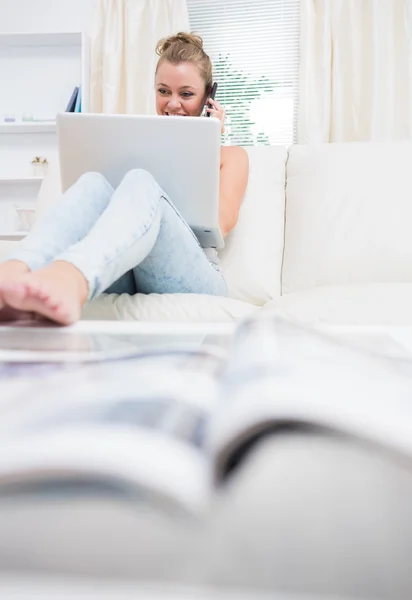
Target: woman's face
{"points": [[180, 90]]}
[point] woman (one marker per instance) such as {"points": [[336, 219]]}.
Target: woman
{"points": [[99, 239]]}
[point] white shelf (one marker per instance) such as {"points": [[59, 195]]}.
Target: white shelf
{"points": [[41, 39], [28, 127], [19, 179], [12, 235]]}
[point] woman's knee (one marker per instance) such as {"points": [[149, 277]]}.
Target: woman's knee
{"points": [[139, 176], [93, 179]]}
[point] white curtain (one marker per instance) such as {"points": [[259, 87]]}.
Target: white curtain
{"points": [[356, 70], [124, 34]]}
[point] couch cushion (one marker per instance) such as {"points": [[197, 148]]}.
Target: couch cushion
{"points": [[166, 307], [380, 304], [348, 215], [252, 258]]}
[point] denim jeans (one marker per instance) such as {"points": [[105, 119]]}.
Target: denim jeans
{"points": [[127, 240]]}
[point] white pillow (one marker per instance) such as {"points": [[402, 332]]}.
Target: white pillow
{"points": [[349, 215], [252, 258]]}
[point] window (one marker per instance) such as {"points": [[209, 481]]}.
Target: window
{"points": [[254, 47]]}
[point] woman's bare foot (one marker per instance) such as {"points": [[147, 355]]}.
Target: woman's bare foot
{"points": [[56, 292]]}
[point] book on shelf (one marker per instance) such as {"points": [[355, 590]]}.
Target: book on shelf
{"points": [[175, 423], [73, 99], [78, 106]]}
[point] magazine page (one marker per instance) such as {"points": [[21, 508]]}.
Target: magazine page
{"points": [[280, 372], [136, 423]]}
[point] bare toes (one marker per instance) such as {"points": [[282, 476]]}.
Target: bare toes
{"points": [[14, 287], [34, 289]]}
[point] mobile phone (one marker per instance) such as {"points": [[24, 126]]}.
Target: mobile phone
{"points": [[211, 95]]}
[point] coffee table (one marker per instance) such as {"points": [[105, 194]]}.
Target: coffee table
{"points": [[92, 340], [96, 340]]}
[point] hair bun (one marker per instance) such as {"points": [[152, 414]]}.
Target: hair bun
{"points": [[179, 39]]}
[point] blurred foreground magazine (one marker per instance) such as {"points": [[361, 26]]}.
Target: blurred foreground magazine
{"points": [[172, 425]]}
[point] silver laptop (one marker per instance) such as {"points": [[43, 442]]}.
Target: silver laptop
{"points": [[182, 153]]}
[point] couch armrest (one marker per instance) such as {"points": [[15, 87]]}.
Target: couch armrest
{"points": [[50, 189]]}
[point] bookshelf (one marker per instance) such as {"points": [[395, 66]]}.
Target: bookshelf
{"points": [[38, 72]]}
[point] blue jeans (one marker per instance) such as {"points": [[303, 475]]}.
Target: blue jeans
{"points": [[127, 240]]}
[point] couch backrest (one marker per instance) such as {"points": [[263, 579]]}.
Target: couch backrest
{"points": [[252, 257], [348, 215]]}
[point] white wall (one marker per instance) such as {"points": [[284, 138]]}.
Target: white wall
{"points": [[45, 15]]}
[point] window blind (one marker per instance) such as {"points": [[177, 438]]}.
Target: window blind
{"points": [[254, 47]]}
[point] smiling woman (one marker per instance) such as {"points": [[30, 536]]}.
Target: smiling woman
{"points": [[132, 239], [174, 96], [183, 76]]}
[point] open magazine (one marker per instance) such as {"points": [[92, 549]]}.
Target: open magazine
{"points": [[171, 427]]}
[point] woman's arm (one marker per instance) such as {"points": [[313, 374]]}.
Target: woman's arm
{"points": [[234, 173]]}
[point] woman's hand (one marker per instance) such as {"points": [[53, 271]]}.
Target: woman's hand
{"points": [[217, 111]]}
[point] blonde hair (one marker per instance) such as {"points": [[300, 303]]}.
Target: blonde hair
{"points": [[186, 47]]}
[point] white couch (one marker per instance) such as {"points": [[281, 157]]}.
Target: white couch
{"points": [[324, 236]]}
